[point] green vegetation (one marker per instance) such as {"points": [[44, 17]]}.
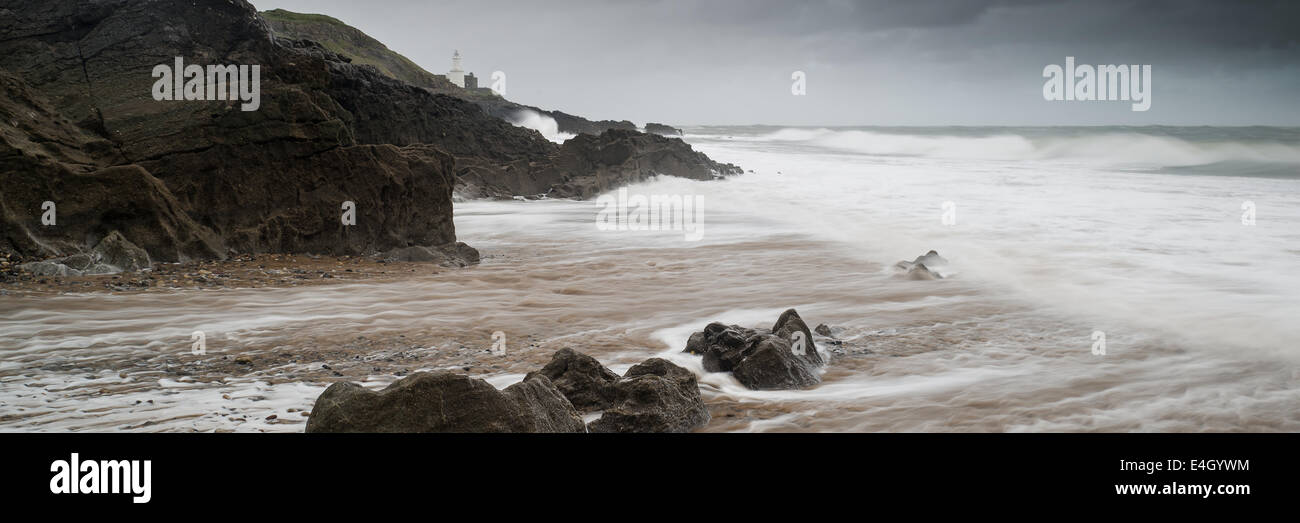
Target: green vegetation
{"points": [[352, 43]]}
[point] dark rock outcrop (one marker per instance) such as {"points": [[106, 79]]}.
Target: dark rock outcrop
{"points": [[564, 122], [202, 179], [352, 45], [784, 357], [662, 129], [653, 396], [197, 179], [592, 164], [492, 161], [444, 402]]}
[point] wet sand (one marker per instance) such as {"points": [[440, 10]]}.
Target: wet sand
{"points": [[945, 355]]}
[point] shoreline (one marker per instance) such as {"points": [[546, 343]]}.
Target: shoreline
{"points": [[249, 271]]}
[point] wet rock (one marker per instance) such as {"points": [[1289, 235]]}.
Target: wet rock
{"points": [[772, 365], [49, 268], [787, 325], [925, 267], [823, 329], [113, 254], [115, 251], [456, 254], [587, 384], [723, 346], [784, 357], [588, 165], [655, 396], [920, 271], [444, 402]]}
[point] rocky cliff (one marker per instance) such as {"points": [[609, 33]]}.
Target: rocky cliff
{"points": [[356, 47], [203, 178]]}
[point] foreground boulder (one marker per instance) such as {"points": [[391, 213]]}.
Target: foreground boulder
{"points": [[588, 384], [784, 357], [444, 402], [653, 396]]}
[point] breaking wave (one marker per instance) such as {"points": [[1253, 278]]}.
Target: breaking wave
{"points": [[1115, 147], [541, 123]]}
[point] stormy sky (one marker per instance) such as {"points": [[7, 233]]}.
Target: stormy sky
{"points": [[867, 62]]}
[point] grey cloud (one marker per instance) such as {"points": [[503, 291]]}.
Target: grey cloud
{"points": [[868, 61]]}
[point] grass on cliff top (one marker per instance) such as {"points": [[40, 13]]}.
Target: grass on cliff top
{"points": [[290, 16], [349, 41]]}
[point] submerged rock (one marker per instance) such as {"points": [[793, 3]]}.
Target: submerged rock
{"points": [[784, 357], [444, 402], [924, 267]]}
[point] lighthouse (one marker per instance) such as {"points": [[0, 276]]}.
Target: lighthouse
{"points": [[456, 74]]}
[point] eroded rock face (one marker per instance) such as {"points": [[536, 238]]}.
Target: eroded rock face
{"points": [[653, 396], [784, 357], [444, 402], [201, 179]]}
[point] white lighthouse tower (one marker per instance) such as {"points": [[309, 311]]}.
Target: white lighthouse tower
{"points": [[456, 74]]}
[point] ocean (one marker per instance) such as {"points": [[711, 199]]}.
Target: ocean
{"points": [[1179, 246]]}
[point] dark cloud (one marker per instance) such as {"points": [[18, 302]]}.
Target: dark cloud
{"points": [[867, 61]]}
